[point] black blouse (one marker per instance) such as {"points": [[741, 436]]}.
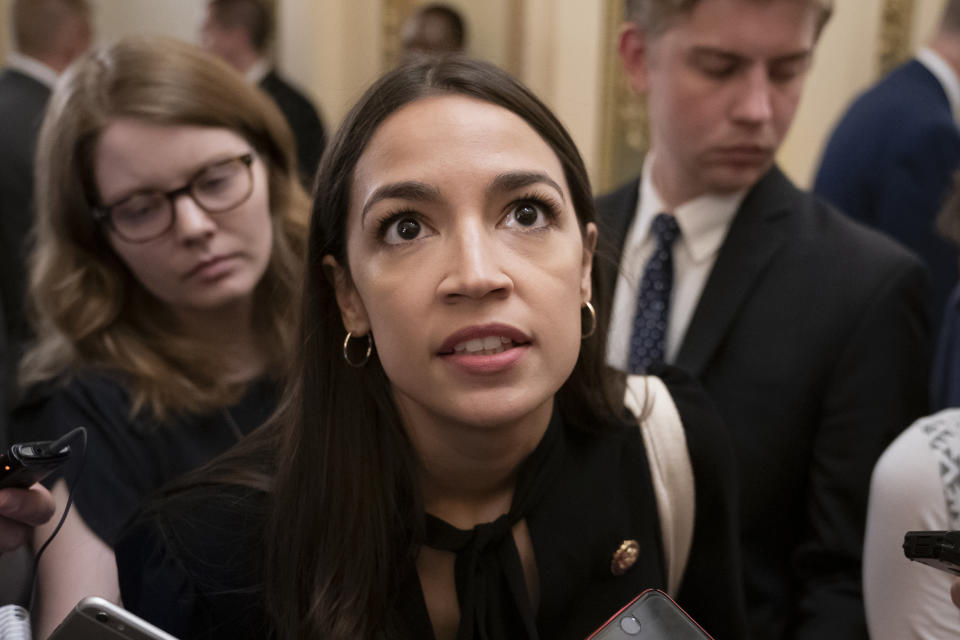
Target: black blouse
{"points": [[130, 457], [196, 568]]}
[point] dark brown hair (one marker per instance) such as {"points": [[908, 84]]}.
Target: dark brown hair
{"points": [[347, 517], [950, 20]]}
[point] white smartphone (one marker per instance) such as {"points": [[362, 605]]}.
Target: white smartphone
{"points": [[97, 619]]}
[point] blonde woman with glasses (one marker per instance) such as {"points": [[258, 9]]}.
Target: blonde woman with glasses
{"points": [[169, 237]]}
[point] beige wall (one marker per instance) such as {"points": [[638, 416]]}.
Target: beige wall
{"points": [[563, 64], [174, 18], [314, 50], [116, 18]]}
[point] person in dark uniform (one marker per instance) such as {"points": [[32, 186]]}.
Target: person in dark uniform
{"points": [[890, 161], [810, 332], [49, 35], [239, 31]]}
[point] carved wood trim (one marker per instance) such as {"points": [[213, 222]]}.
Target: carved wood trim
{"points": [[623, 118], [894, 37]]}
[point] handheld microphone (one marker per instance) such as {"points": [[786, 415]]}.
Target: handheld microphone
{"points": [[15, 623]]}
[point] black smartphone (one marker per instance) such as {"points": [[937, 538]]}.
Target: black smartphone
{"points": [[28, 462], [939, 549], [652, 615]]}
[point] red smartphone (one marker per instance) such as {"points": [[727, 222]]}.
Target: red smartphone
{"points": [[652, 615]]}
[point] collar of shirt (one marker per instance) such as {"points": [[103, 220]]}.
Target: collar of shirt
{"points": [[258, 71], [33, 68], [703, 221], [945, 75]]}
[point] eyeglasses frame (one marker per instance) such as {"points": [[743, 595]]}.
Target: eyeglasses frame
{"points": [[102, 214]]}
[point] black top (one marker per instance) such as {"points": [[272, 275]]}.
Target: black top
{"points": [[22, 103], [130, 457], [196, 568], [309, 134]]}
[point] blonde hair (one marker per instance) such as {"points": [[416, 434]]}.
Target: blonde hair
{"points": [[88, 310]]}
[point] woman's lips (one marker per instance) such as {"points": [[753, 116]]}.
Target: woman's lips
{"points": [[211, 269], [484, 363], [488, 337], [485, 349]]}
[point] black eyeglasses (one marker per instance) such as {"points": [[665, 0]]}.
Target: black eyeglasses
{"points": [[146, 215]]}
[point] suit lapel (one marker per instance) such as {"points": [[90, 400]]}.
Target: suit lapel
{"points": [[757, 233], [615, 213]]}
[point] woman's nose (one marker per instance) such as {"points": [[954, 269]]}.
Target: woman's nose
{"points": [[192, 223], [475, 265]]}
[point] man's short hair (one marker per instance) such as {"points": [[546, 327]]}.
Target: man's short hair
{"points": [[655, 16], [37, 23], [451, 16], [253, 16], [951, 16]]}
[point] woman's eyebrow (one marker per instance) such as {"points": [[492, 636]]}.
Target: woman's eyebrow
{"points": [[511, 181], [409, 190]]}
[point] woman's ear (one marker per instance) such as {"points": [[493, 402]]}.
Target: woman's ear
{"points": [[352, 311], [590, 235]]}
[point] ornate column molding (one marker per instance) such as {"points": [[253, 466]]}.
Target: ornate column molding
{"points": [[894, 37], [623, 119], [392, 16]]}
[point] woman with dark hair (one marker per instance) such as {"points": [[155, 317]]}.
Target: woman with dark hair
{"points": [[450, 459]]}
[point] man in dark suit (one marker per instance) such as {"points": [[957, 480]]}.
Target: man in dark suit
{"points": [[238, 31], [810, 332], [890, 161], [49, 35]]}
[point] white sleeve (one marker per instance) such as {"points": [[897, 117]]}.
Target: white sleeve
{"points": [[907, 600]]}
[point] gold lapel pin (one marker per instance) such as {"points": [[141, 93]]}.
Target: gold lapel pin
{"points": [[624, 557]]}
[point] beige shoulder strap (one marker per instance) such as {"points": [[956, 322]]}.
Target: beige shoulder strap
{"points": [[666, 444]]}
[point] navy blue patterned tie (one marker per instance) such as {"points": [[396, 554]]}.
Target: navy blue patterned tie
{"points": [[649, 335]]}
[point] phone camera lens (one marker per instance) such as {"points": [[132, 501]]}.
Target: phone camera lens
{"points": [[630, 625], [102, 617]]}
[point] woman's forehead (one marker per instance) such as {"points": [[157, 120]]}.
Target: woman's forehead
{"points": [[441, 137]]}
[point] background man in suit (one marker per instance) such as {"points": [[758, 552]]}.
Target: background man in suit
{"points": [[239, 31], [49, 35], [810, 332], [434, 28], [890, 160]]}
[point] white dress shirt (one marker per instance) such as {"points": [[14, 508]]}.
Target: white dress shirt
{"points": [[32, 68], [258, 71], [704, 222], [945, 74]]}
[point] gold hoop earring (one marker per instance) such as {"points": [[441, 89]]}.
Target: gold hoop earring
{"points": [[346, 351], [593, 321]]}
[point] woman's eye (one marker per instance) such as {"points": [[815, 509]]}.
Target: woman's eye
{"points": [[402, 230], [527, 215]]}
